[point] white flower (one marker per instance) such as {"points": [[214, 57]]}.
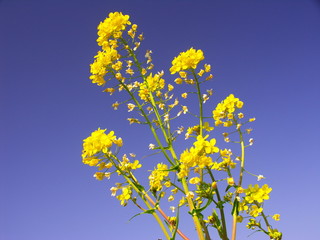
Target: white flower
{"points": [[190, 194], [172, 208], [113, 191], [131, 107], [151, 146]]}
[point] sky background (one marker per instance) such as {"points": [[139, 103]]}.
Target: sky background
{"points": [[265, 52]]}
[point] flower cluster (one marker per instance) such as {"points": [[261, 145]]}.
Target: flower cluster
{"points": [[226, 162], [157, 176], [99, 67], [107, 60], [255, 193], [194, 177], [187, 60], [151, 84], [225, 110], [112, 27], [197, 156], [98, 142], [126, 166]]}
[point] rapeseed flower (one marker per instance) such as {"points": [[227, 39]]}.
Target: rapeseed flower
{"points": [[112, 26], [186, 60], [226, 109], [150, 85], [157, 176], [99, 141], [255, 193]]}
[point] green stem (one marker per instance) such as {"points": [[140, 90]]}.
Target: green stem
{"points": [[200, 99], [266, 221], [154, 214], [184, 183], [234, 224], [223, 219]]}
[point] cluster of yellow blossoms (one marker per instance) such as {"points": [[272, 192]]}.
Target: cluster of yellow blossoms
{"points": [[107, 60], [98, 142], [186, 60], [151, 84], [118, 48], [197, 156], [255, 193], [225, 110], [157, 176], [254, 197], [108, 32], [99, 67], [112, 27], [126, 166], [226, 162]]}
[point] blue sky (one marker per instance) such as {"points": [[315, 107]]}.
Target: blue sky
{"points": [[265, 52]]}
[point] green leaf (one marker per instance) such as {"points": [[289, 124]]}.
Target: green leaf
{"points": [[235, 208], [229, 186], [150, 211]]}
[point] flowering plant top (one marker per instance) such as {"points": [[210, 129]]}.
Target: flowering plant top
{"points": [[205, 179]]}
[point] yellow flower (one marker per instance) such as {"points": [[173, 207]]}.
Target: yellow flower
{"points": [[207, 127], [184, 95], [186, 60], [201, 72], [129, 71], [209, 77], [97, 142], [182, 201], [255, 211], [117, 66], [99, 175], [157, 176], [194, 180], [255, 193], [112, 27], [230, 181], [171, 198], [276, 217], [109, 90], [203, 145], [225, 110], [174, 191], [207, 67], [170, 87], [151, 84], [183, 74], [102, 60], [167, 184], [275, 234], [125, 196]]}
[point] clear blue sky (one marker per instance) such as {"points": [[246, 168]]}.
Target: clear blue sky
{"points": [[265, 52]]}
